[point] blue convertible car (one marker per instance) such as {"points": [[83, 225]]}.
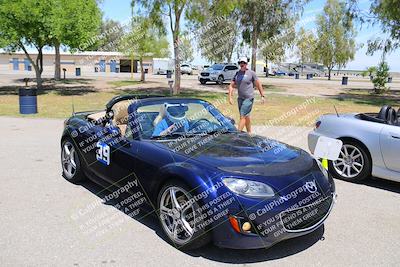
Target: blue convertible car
{"points": [[205, 180]]}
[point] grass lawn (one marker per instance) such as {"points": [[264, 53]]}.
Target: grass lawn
{"points": [[123, 83], [279, 109]]}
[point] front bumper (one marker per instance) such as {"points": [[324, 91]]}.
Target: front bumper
{"points": [[208, 78], [269, 227]]}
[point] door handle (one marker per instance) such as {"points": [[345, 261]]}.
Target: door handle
{"points": [[395, 136]]}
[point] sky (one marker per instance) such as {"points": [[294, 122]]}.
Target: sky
{"points": [[120, 10]]}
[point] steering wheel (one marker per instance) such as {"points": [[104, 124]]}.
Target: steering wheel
{"points": [[194, 125]]}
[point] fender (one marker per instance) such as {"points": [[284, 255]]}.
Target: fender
{"points": [[190, 174]]}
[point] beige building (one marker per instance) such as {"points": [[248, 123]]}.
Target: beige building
{"points": [[78, 64]]}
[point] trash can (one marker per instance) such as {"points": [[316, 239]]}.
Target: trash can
{"points": [[345, 79], [169, 74], [77, 71], [27, 101], [296, 76], [390, 79]]}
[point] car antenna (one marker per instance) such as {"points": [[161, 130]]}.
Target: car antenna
{"points": [[73, 106], [336, 111]]}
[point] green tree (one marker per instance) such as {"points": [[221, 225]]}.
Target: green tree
{"points": [[381, 77], [276, 40], [369, 71], [111, 33], [174, 11], [218, 36], [335, 44], [186, 49], [387, 14], [144, 40], [74, 23], [27, 24], [265, 18], [304, 41]]}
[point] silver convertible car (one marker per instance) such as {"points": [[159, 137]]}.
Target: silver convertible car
{"points": [[371, 144]]}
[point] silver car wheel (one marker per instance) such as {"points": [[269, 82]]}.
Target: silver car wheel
{"points": [[350, 162], [68, 158], [177, 214]]}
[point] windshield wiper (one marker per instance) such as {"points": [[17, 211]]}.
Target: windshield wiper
{"points": [[225, 131], [170, 135]]}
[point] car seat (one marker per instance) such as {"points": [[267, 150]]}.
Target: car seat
{"points": [[392, 117], [120, 118], [383, 113]]}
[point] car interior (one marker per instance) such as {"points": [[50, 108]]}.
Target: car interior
{"points": [[387, 115], [148, 116]]}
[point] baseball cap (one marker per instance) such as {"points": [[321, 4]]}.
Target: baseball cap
{"points": [[243, 59]]}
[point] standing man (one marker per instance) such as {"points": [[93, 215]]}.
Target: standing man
{"points": [[245, 80]]}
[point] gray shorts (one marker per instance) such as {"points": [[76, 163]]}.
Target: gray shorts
{"points": [[245, 105]]}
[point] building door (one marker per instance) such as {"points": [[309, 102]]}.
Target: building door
{"points": [[113, 66], [125, 65], [102, 65], [15, 63]]}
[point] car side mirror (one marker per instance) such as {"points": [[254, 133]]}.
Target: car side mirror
{"points": [[231, 120]]}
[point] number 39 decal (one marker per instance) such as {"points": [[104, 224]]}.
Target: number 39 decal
{"points": [[103, 153]]}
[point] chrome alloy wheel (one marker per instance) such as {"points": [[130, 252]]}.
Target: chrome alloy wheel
{"points": [[177, 214], [68, 158], [350, 162]]}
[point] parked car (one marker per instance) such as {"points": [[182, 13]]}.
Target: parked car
{"points": [[204, 179], [218, 73], [279, 73], [186, 69], [371, 144]]}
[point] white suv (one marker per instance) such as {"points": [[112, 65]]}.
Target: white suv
{"points": [[218, 73]]}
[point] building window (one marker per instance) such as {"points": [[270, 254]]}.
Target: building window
{"points": [[15, 63]]}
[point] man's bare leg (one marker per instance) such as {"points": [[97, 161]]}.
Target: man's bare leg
{"points": [[242, 123], [248, 124]]}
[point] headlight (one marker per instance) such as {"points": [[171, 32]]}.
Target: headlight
{"points": [[323, 170], [248, 188]]}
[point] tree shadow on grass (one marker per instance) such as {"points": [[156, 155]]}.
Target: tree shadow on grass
{"points": [[52, 81], [185, 92], [368, 99], [283, 249], [63, 91]]}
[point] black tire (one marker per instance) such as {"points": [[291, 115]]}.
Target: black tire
{"points": [[78, 175], [203, 81], [201, 236], [364, 159], [220, 80]]}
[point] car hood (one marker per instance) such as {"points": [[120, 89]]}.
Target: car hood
{"points": [[243, 154]]}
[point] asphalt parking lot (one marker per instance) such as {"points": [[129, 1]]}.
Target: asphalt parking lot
{"points": [[37, 229]]}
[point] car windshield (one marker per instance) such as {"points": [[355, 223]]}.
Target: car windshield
{"points": [[217, 67], [172, 119]]}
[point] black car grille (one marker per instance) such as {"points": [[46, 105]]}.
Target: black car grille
{"points": [[205, 74], [306, 217]]}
